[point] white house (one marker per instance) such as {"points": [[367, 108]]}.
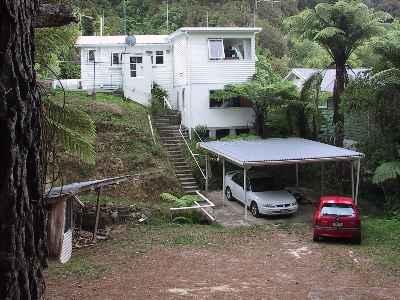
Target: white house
{"points": [[190, 64]]}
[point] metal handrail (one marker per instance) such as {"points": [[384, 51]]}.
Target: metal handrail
{"points": [[191, 152], [151, 129], [166, 103], [200, 139]]}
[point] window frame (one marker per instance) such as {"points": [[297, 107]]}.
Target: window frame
{"points": [[94, 55], [156, 55], [134, 63], [119, 59], [209, 49]]}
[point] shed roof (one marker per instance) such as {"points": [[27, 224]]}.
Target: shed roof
{"points": [[78, 187], [278, 151], [119, 40]]}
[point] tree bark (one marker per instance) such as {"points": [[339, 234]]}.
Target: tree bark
{"points": [[23, 247], [338, 117], [54, 15], [259, 120]]}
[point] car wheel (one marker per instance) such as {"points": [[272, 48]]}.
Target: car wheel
{"points": [[254, 209], [357, 240], [228, 194], [316, 238]]}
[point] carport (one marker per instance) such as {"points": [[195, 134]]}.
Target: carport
{"points": [[281, 151]]}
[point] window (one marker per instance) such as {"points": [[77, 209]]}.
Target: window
{"points": [[134, 61], [238, 179], [229, 49], [91, 55], [115, 59], [159, 57], [232, 102], [216, 49], [333, 209]]}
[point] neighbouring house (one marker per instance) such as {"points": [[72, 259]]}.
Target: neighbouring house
{"points": [[189, 64], [356, 125]]}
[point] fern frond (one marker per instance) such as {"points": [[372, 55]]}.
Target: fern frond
{"points": [[386, 171]]}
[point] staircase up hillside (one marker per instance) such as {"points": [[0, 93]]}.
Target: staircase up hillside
{"points": [[172, 141]]}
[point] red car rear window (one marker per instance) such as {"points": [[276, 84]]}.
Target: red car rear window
{"points": [[333, 209]]}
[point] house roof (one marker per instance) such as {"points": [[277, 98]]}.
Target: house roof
{"points": [[278, 151], [184, 30], [119, 40], [328, 81]]}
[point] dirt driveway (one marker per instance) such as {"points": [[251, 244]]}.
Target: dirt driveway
{"points": [[199, 262]]}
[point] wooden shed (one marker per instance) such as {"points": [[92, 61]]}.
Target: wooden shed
{"points": [[60, 203]]}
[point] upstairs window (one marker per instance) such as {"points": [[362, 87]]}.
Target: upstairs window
{"points": [[216, 49], [159, 57], [229, 49], [115, 59], [91, 55]]}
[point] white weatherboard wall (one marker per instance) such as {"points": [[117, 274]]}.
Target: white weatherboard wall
{"points": [[217, 118], [106, 74], [194, 72]]}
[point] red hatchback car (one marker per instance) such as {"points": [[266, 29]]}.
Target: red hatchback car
{"points": [[337, 217]]}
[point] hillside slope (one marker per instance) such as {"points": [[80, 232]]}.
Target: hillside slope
{"points": [[124, 145]]}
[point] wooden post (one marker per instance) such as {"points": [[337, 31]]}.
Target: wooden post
{"points": [[352, 180], [96, 224], [322, 178], [358, 180]]}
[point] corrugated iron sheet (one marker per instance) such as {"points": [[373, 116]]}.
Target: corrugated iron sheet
{"points": [[275, 150]]}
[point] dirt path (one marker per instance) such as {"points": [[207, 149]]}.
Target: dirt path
{"points": [[274, 265]]}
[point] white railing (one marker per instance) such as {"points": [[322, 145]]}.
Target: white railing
{"points": [[197, 134], [151, 129], [167, 104], [197, 205], [191, 153]]}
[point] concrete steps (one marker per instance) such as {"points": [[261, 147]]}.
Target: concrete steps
{"points": [[171, 140]]}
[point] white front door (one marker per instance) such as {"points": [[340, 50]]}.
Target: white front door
{"points": [[138, 78]]}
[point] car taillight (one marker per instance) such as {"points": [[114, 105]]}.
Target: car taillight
{"points": [[322, 222]]}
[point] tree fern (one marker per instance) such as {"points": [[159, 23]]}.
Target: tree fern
{"points": [[387, 171], [74, 130]]}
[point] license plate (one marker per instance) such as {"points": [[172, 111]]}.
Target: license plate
{"points": [[337, 224], [284, 210]]}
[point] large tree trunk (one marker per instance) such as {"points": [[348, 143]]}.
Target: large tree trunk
{"points": [[22, 209], [338, 117], [259, 120]]}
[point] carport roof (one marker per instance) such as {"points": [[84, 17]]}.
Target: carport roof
{"points": [[278, 151]]}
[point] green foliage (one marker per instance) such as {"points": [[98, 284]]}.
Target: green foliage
{"points": [[387, 171], [54, 45], [240, 137], [157, 99], [185, 201], [73, 129]]}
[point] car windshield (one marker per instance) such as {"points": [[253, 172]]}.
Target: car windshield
{"points": [[334, 209], [264, 184]]}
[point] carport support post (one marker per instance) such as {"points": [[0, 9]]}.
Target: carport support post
{"points": [[245, 191], [207, 172], [352, 180], [297, 174], [223, 181], [322, 178], [358, 180]]}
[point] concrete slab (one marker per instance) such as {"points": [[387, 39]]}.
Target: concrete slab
{"points": [[231, 213]]}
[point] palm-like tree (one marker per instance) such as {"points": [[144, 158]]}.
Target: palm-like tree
{"points": [[340, 28]]}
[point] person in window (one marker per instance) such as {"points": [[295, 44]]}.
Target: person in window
{"points": [[232, 52]]}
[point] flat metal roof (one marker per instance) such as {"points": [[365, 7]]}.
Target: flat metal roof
{"points": [[278, 151]]}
